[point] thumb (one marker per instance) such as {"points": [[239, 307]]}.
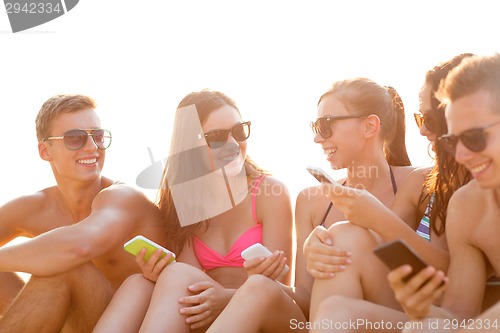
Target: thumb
{"points": [[323, 235]]}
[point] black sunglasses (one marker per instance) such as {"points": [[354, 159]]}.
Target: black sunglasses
{"points": [[218, 138], [77, 138], [429, 120], [322, 125], [474, 139]]}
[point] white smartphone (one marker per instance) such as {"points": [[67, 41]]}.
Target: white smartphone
{"points": [[259, 250], [136, 244], [320, 175]]}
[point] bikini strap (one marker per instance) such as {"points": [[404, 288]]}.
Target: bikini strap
{"points": [[330, 205], [326, 214], [254, 197], [393, 181]]}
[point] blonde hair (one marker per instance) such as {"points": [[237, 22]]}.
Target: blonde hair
{"points": [[56, 105]]}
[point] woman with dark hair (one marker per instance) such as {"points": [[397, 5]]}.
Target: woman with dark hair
{"points": [[361, 290]]}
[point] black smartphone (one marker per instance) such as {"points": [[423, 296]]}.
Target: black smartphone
{"points": [[397, 253], [320, 175]]}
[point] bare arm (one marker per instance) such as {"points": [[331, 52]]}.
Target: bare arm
{"points": [[274, 209], [13, 216], [468, 269], [303, 227], [364, 209], [114, 214]]}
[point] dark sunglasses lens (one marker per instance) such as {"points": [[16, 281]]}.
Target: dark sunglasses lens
{"points": [[419, 119], [241, 132], [324, 129], [216, 139], [102, 138], [75, 139], [474, 139], [430, 122]]}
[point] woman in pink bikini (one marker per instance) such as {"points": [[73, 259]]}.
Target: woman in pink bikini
{"points": [[216, 202]]}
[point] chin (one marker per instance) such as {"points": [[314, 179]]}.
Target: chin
{"points": [[235, 168]]}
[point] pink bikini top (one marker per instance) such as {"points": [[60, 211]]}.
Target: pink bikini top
{"points": [[210, 259]]}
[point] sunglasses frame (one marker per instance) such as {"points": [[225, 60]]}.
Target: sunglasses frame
{"points": [[449, 141], [330, 120], [219, 144], [431, 123], [86, 137]]}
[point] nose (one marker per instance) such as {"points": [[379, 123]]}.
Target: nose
{"points": [[318, 138], [462, 153], [424, 131], [230, 138], [90, 144]]}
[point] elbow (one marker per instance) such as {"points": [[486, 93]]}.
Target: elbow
{"points": [[83, 251]]}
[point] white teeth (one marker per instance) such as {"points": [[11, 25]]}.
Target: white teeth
{"points": [[330, 151], [88, 161], [478, 168]]}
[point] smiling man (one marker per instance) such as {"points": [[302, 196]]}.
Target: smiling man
{"points": [[77, 228], [472, 94]]}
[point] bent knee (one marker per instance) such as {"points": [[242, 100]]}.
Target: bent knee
{"points": [[336, 307], [261, 286], [351, 234], [178, 271]]}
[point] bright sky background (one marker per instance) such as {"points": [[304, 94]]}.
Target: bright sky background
{"points": [[137, 59]]}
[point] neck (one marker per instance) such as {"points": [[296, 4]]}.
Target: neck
{"points": [[369, 173], [77, 199]]}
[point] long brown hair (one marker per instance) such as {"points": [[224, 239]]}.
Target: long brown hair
{"points": [[446, 175], [364, 97], [206, 101]]}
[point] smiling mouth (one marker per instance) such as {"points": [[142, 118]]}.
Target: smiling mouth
{"points": [[330, 152], [87, 161], [479, 168]]}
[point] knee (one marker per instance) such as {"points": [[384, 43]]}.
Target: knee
{"points": [[136, 281], [337, 308], [180, 273], [260, 287], [348, 234]]}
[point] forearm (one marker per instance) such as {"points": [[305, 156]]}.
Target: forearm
{"points": [[394, 228], [51, 253]]}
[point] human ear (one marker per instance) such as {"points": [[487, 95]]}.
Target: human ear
{"points": [[372, 125], [44, 151]]}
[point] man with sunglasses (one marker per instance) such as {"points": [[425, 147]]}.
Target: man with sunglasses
{"points": [[77, 228], [471, 92]]}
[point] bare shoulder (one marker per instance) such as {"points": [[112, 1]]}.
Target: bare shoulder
{"points": [[311, 196], [409, 174], [26, 205], [310, 206], [123, 196], [273, 187], [468, 197], [415, 178], [466, 207]]}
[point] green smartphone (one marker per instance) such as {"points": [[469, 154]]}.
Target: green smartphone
{"points": [[139, 242]]}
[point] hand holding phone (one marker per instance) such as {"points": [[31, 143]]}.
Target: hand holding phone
{"points": [[320, 175], [258, 250], [136, 244], [397, 253]]}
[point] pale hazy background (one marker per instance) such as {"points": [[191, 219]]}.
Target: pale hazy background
{"points": [[137, 59]]}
